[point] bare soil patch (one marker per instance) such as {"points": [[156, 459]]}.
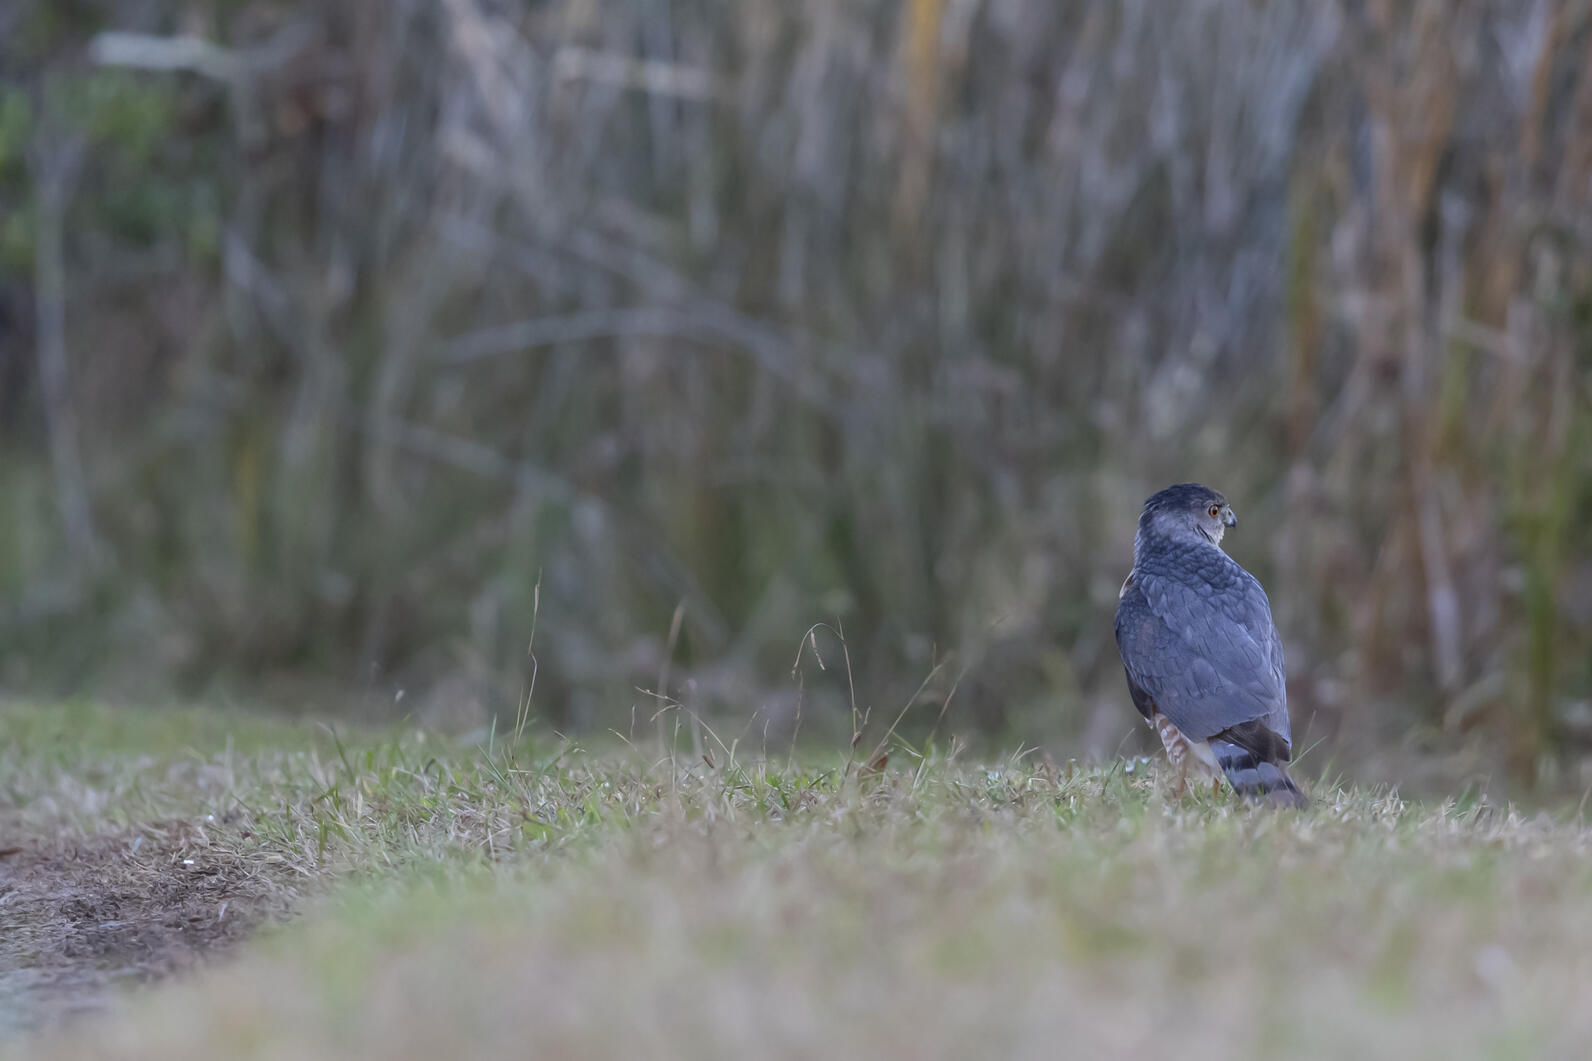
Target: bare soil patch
{"points": [[80, 917]]}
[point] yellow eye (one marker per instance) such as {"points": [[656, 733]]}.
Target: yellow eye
{"points": [[1215, 510]]}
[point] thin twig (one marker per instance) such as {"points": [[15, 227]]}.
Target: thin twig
{"points": [[54, 164]]}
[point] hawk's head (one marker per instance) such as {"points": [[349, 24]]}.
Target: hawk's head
{"points": [[1187, 511]]}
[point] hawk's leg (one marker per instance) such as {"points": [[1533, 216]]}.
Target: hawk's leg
{"points": [[1185, 756], [1177, 750]]}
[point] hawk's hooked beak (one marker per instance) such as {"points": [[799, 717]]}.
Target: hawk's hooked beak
{"points": [[1229, 517]]}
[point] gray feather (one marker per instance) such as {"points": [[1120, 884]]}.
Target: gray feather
{"points": [[1197, 638]]}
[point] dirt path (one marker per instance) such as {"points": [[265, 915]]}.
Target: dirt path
{"points": [[79, 918]]}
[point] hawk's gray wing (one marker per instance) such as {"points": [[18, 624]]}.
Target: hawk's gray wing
{"points": [[1197, 640]]}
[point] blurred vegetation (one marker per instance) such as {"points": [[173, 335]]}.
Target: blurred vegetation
{"points": [[337, 340]]}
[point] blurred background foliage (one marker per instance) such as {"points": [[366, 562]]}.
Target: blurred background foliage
{"points": [[338, 339]]}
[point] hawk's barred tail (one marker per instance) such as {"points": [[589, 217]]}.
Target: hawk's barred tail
{"points": [[1252, 776]]}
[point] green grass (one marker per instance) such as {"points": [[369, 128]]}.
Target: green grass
{"points": [[533, 901]]}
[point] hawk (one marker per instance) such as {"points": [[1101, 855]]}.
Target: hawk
{"points": [[1202, 654]]}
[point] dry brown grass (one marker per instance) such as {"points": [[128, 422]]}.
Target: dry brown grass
{"points": [[571, 905]]}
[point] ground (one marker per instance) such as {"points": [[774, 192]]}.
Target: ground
{"points": [[325, 894]]}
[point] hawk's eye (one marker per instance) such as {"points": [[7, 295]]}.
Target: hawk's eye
{"points": [[1215, 510]]}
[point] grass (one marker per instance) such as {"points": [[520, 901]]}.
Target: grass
{"points": [[523, 901]]}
